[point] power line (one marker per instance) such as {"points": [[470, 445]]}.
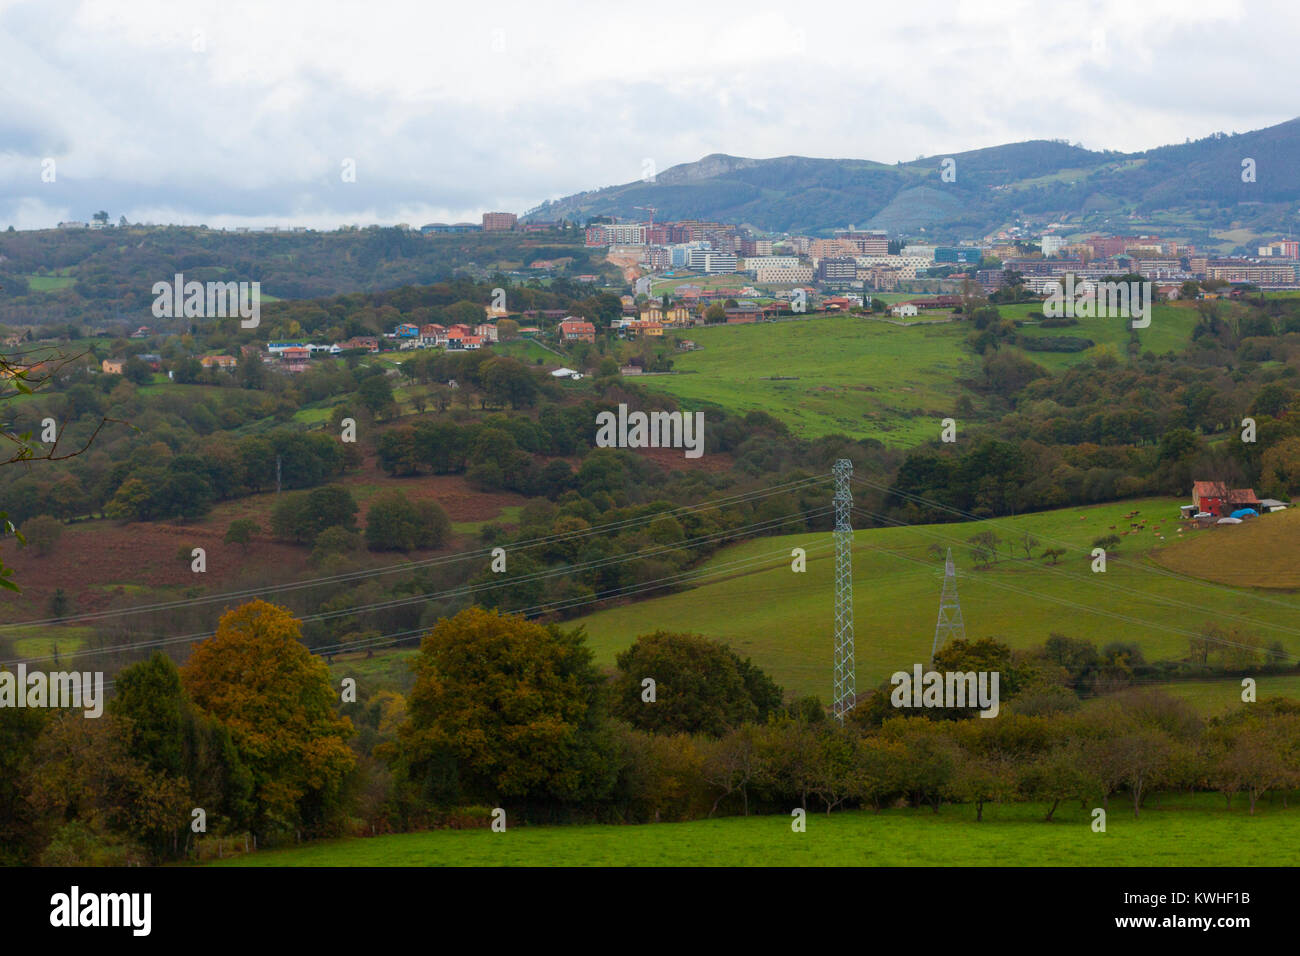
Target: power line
{"points": [[439, 560], [452, 592], [719, 571]]}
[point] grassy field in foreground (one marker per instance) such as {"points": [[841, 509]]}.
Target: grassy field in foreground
{"points": [[867, 379], [751, 599], [1185, 832]]}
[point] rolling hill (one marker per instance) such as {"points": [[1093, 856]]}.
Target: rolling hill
{"points": [[749, 597], [1195, 187], [865, 377]]}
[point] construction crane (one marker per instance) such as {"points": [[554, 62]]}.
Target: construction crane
{"points": [[650, 209]]}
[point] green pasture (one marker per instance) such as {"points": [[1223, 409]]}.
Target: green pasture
{"points": [[1182, 831], [749, 597]]}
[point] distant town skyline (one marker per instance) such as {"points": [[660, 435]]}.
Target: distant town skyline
{"points": [[330, 113]]}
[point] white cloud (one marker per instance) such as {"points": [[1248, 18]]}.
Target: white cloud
{"points": [[245, 110]]}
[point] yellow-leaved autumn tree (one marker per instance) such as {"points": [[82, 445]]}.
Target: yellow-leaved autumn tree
{"points": [[258, 679], [504, 707]]}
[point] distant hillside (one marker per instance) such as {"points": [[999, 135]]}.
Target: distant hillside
{"points": [[90, 277], [1195, 187]]}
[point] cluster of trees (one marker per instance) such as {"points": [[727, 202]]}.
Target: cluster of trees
{"points": [[245, 737], [506, 711], [1106, 429], [711, 732], [326, 518], [187, 484]]}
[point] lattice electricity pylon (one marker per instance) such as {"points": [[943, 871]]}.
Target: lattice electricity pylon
{"points": [[950, 625], [846, 687]]}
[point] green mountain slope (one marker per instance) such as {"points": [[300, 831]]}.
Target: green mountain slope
{"points": [[1196, 186]]}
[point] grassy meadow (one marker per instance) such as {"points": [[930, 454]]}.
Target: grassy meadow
{"points": [[1181, 831], [750, 597], [866, 378]]}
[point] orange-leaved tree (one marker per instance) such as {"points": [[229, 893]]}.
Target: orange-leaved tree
{"points": [[258, 679]]}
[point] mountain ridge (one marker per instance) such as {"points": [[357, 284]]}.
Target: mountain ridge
{"points": [[1194, 187]]}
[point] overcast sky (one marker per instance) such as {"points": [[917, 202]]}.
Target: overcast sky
{"points": [[232, 113]]}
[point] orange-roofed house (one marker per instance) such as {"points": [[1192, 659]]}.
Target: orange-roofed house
{"points": [[577, 330]]}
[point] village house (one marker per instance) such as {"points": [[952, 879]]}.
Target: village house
{"points": [[487, 332], [368, 342], [936, 302], [432, 335], [112, 366], [295, 358], [637, 327], [218, 361], [743, 313], [904, 310], [461, 337], [577, 330]]}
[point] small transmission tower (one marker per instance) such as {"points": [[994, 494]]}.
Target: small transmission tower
{"points": [[845, 676], [950, 625]]}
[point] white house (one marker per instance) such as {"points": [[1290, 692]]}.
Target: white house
{"points": [[903, 311]]}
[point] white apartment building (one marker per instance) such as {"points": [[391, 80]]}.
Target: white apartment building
{"points": [[1052, 245], [680, 252], [709, 261], [753, 263], [625, 234], [913, 262], [782, 274]]}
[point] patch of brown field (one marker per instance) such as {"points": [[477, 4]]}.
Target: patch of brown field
{"points": [[92, 557], [1263, 552], [453, 492], [675, 459]]}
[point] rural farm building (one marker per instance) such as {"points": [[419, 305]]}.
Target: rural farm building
{"points": [[1217, 499]]}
